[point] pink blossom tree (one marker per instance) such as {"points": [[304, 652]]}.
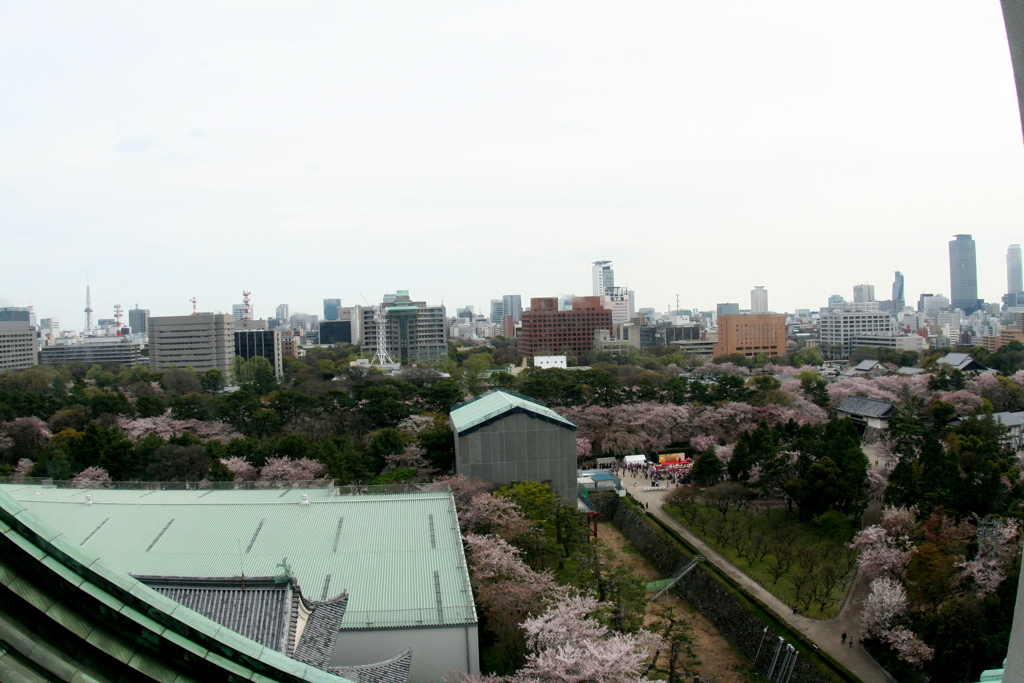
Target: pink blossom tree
{"points": [[91, 478], [166, 427], [881, 554], [22, 469], [286, 469], [584, 449], [412, 457], [241, 468]]}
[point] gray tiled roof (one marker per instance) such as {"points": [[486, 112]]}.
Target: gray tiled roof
{"points": [[392, 671], [865, 407], [321, 631]]}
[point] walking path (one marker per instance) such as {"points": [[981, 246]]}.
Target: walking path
{"points": [[826, 634]]}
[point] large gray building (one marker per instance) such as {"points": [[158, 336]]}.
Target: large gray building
{"points": [[963, 274], [201, 342], [415, 331], [93, 350], [17, 345], [138, 320], [502, 437]]}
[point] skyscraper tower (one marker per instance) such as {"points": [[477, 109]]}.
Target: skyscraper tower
{"points": [[863, 293], [604, 277], [963, 274], [899, 299], [1014, 270], [759, 299], [88, 310]]}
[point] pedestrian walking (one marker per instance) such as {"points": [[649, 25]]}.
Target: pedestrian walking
{"points": [[843, 639]]}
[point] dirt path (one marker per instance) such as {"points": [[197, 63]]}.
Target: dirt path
{"points": [[826, 634], [716, 656]]}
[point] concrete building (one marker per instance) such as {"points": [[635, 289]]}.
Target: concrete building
{"points": [[603, 277], [863, 293], [282, 312], [336, 332], [758, 300], [899, 296], [963, 274], [93, 350], [200, 342], [728, 309], [838, 328], [903, 342], [15, 314], [547, 329], [751, 334], [497, 311], [415, 333], [835, 300], [138, 320], [502, 437], [512, 305], [17, 345]]}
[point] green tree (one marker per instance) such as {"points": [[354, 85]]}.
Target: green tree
{"points": [[707, 469]]}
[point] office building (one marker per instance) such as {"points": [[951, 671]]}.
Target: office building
{"points": [[93, 351], [759, 300], [728, 309], [603, 277], [281, 313], [863, 293], [252, 341], [15, 314], [1014, 277], [336, 332], [512, 304], [331, 307], [49, 326], [751, 334], [840, 326], [497, 311], [138, 320], [899, 297], [835, 300], [963, 274], [201, 342], [17, 345], [415, 332], [548, 330]]}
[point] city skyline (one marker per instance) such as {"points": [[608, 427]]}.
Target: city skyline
{"points": [[157, 163]]}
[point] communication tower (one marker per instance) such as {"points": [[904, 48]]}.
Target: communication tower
{"points": [[246, 309], [194, 302], [88, 310], [117, 318], [381, 355]]}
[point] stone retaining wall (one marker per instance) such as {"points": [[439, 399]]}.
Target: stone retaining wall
{"points": [[738, 623]]}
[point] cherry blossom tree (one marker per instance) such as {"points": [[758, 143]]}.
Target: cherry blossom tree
{"points": [[166, 427], [701, 443], [416, 423], [286, 469], [91, 478], [22, 469], [964, 401], [241, 468], [908, 646], [583, 448], [720, 369], [887, 601], [881, 554], [412, 457]]}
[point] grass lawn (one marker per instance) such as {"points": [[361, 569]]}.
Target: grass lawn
{"points": [[800, 564]]}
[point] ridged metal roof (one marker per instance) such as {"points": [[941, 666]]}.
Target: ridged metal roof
{"points": [[399, 556], [490, 406]]}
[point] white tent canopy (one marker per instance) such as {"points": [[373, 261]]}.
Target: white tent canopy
{"points": [[634, 459]]}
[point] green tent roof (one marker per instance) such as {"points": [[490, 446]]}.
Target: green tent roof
{"points": [[399, 556], [495, 404]]}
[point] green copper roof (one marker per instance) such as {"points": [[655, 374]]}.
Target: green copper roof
{"points": [[496, 403], [399, 556], [66, 614]]}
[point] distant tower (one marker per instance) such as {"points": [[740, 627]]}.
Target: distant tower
{"points": [[194, 302], [246, 308], [88, 310], [1014, 270], [604, 277], [381, 355], [759, 300], [117, 318], [899, 299], [963, 274]]}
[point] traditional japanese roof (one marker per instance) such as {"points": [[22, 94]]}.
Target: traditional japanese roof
{"points": [[906, 370], [865, 407], [496, 404], [961, 361], [399, 557], [66, 614]]}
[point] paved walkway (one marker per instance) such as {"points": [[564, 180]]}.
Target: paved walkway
{"points": [[826, 634]]}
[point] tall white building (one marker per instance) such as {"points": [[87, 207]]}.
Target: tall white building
{"points": [[200, 342], [619, 300], [282, 312], [17, 346], [758, 300], [863, 293], [838, 328], [603, 276]]}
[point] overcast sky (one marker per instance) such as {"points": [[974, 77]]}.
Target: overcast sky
{"points": [[467, 150]]}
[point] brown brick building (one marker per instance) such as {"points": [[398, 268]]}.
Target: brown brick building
{"points": [[751, 334], [547, 329]]}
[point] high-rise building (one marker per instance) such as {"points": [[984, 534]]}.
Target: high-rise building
{"points": [[963, 274], [201, 342], [331, 307], [899, 297], [1014, 270], [862, 293], [282, 312], [138, 320], [838, 328], [260, 342], [835, 300], [50, 326], [237, 311], [759, 300], [15, 314], [497, 311], [545, 328], [17, 345], [603, 277], [512, 304], [751, 334], [728, 309], [415, 332]]}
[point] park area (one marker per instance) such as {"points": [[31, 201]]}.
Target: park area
{"points": [[805, 565]]}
